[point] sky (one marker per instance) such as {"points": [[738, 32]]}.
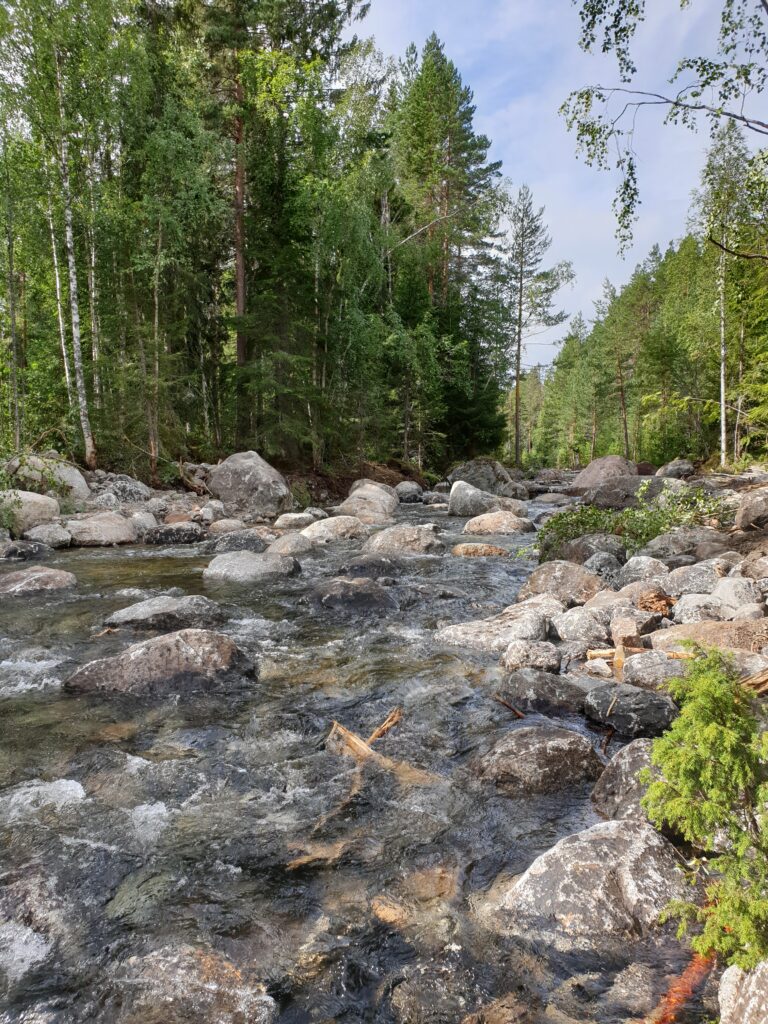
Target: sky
{"points": [[521, 58]]}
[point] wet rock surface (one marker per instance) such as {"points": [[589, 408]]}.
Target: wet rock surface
{"points": [[539, 759]]}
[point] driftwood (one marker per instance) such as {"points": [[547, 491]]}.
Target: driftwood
{"points": [[610, 652], [343, 741], [758, 682], [505, 703]]}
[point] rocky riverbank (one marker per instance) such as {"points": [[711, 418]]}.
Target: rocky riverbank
{"points": [[368, 761]]}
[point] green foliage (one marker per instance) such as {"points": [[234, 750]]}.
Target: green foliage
{"points": [[713, 792], [636, 526]]}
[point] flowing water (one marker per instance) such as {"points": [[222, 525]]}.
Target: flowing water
{"points": [[129, 824]]}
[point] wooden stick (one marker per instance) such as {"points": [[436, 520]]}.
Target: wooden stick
{"points": [[510, 707], [393, 718], [342, 741]]}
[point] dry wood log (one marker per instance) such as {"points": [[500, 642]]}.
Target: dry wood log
{"points": [[758, 682], [609, 653], [342, 741]]}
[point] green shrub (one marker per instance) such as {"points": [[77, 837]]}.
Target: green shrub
{"points": [[713, 792], [635, 526]]}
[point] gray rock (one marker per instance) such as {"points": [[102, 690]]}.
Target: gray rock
{"points": [[405, 540], [143, 521], [599, 471], [370, 503], [291, 544], [618, 791], [293, 521], [734, 592], [678, 469], [625, 491], [540, 758], [106, 501], [697, 608], [581, 624], [37, 580], [367, 482], [527, 621], [605, 565], [354, 596], [652, 669], [743, 995], [336, 528], [103, 529], [248, 482], [316, 513], [642, 567], [593, 891], [701, 578], [188, 659], [536, 654], [752, 513], [170, 613], [684, 540], [239, 540], [747, 612], [24, 550], [127, 489], [467, 501], [629, 625], [175, 533], [631, 710], [223, 526], [532, 690], [245, 567], [581, 549], [433, 498], [490, 476], [409, 492], [26, 510], [47, 473], [500, 523], [569, 583]]}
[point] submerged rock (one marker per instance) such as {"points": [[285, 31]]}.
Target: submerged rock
{"points": [[170, 613], [188, 659], [540, 758], [499, 523], [527, 621], [354, 596], [631, 710], [244, 567], [405, 540], [35, 580], [531, 689], [593, 891]]}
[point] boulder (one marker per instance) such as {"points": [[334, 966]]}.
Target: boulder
{"points": [[367, 482], [433, 498], [752, 513], [501, 523], [291, 544], [605, 565], [594, 891], [535, 654], [405, 540], [103, 529], [188, 985], [677, 469], [599, 471], [755, 566], [701, 578], [496, 633], [336, 528], [222, 526], [488, 475], [530, 689], [24, 550], [642, 567], [246, 481], [684, 540], [409, 492], [581, 624], [293, 521], [242, 568], [49, 474], [629, 625], [743, 995], [631, 710], [52, 535], [618, 791], [170, 613], [651, 670], [581, 549], [733, 592], [479, 551], [25, 510], [175, 533], [354, 596], [646, 469], [467, 501], [738, 636], [239, 540], [127, 489], [188, 659], [624, 491], [697, 608], [569, 583], [37, 580], [541, 758], [370, 502]]}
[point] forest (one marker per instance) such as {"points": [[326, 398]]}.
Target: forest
{"points": [[233, 225]]}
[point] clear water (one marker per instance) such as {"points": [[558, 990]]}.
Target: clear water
{"points": [[129, 824]]}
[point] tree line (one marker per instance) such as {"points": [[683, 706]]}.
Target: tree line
{"points": [[230, 225]]}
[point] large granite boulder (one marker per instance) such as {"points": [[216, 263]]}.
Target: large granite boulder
{"points": [[526, 621], [601, 470], [743, 995], [53, 535], [37, 580], [618, 791], [467, 500], [541, 758], [170, 613], [752, 513], [677, 469], [642, 567], [569, 583], [498, 523], [369, 502], [581, 549], [488, 475], [354, 596], [25, 510], [326, 531], [406, 540], [103, 529], [624, 491], [529, 689], [175, 533], [46, 473], [631, 710], [594, 891], [534, 654], [241, 568], [186, 660], [409, 492], [651, 670], [247, 482]]}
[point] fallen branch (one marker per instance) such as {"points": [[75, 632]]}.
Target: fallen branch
{"points": [[343, 741], [758, 682], [609, 653], [505, 703], [393, 718]]}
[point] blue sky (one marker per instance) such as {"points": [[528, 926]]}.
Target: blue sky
{"points": [[521, 58]]}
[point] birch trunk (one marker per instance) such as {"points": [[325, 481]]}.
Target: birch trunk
{"points": [[60, 312], [723, 358]]}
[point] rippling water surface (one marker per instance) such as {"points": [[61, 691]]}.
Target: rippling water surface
{"points": [[129, 824]]}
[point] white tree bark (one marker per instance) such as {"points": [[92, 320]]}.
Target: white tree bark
{"points": [[60, 312]]}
